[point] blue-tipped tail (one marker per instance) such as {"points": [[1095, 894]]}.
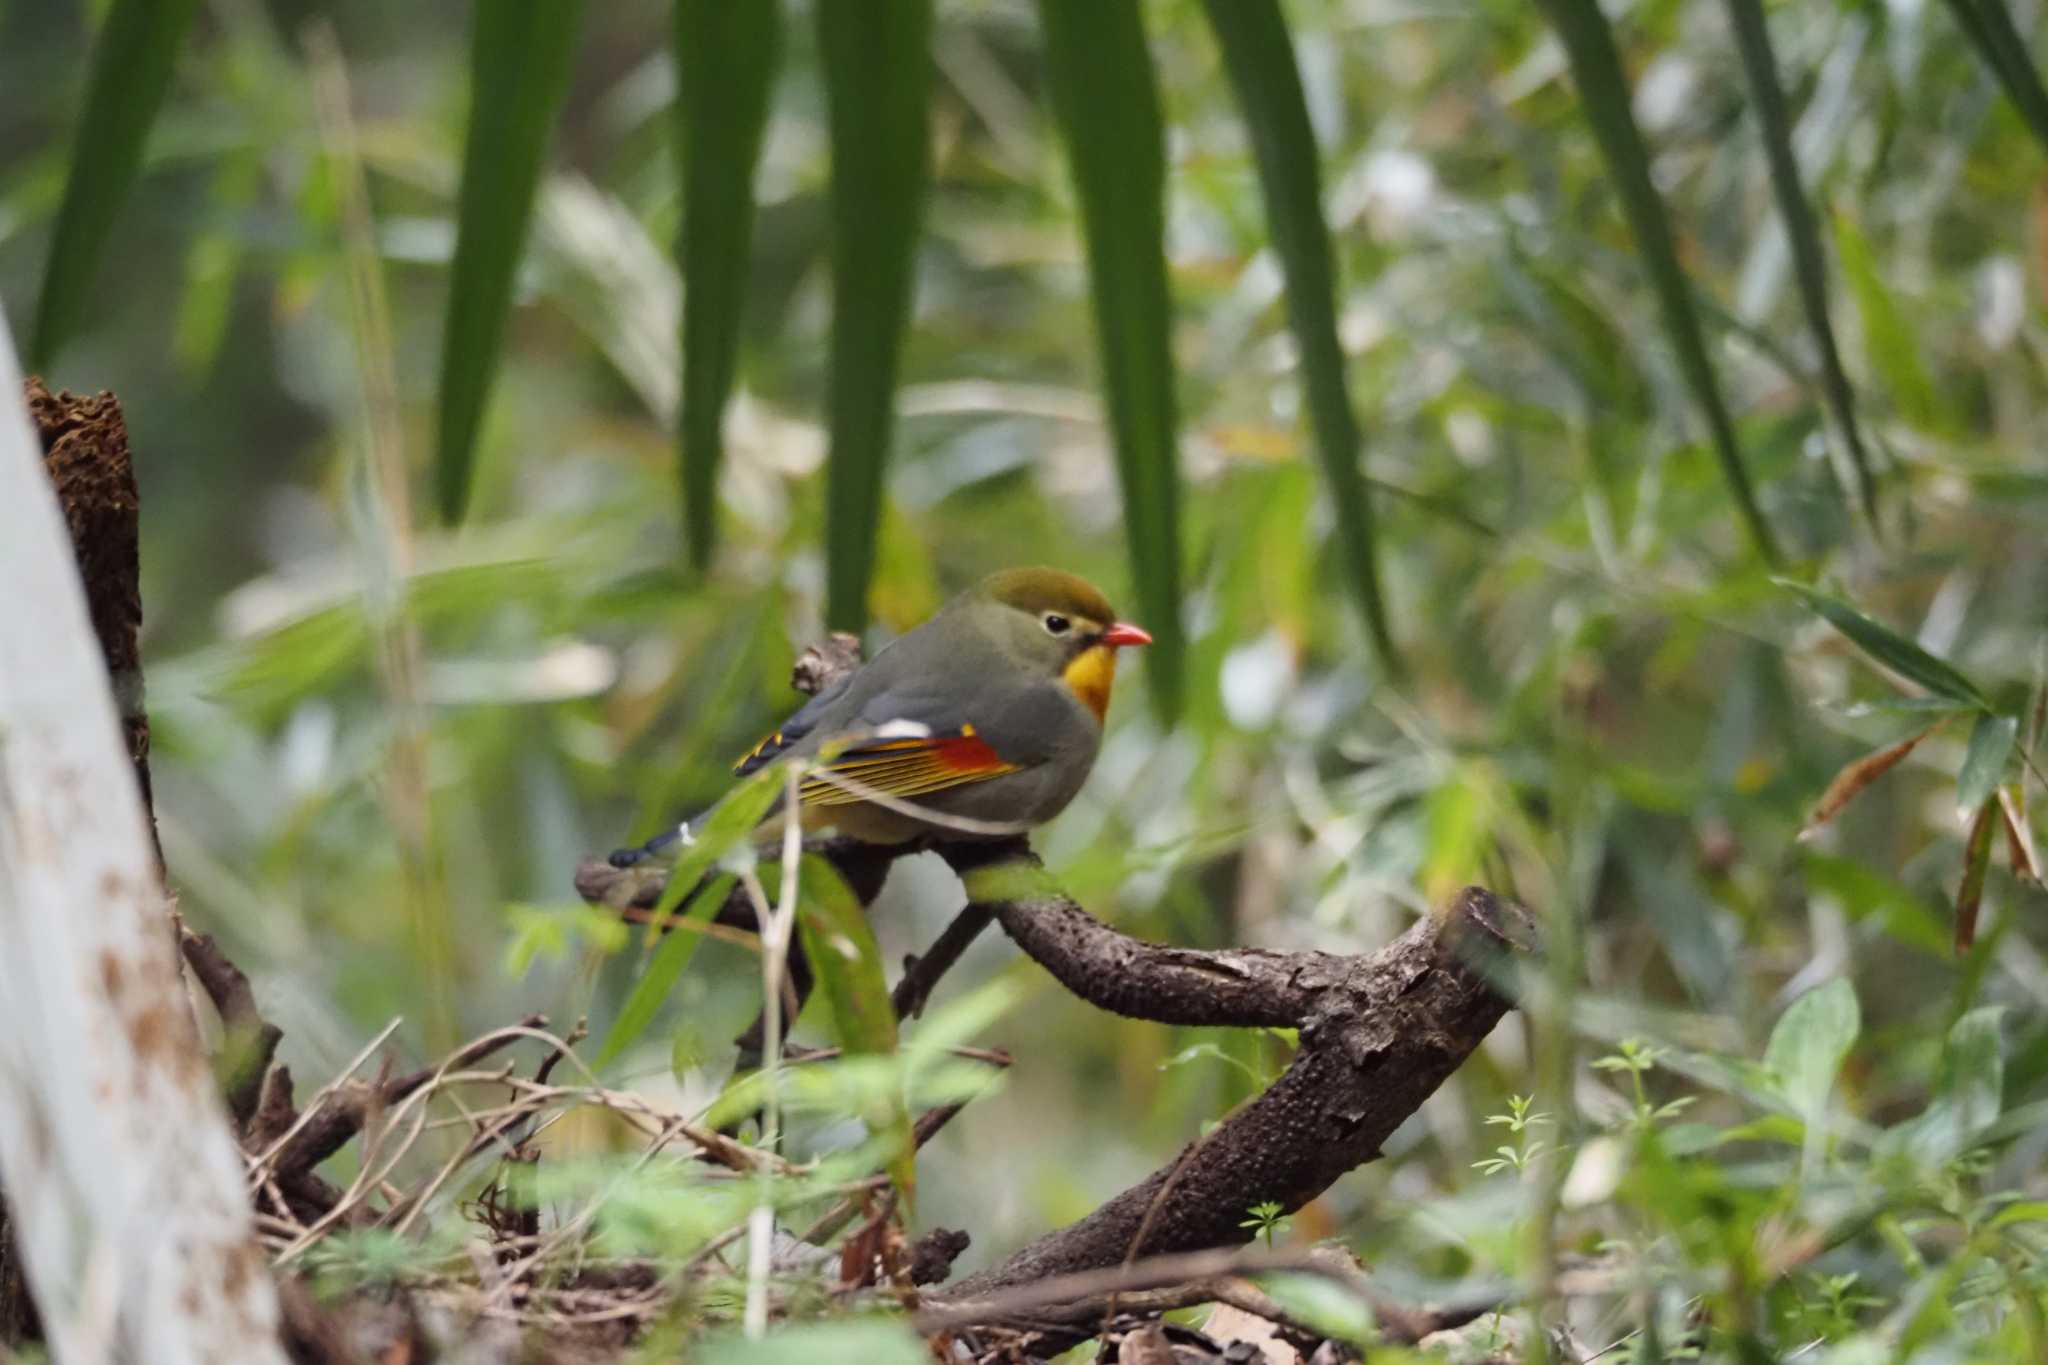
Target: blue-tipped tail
{"points": [[661, 847]]}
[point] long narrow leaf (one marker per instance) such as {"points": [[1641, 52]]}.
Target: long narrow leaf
{"points": [[1260, 62], [1107, 106], [131, 68], [665, 969], [726, 56], [1976, 863], [1990, 30], [1809, 266], [877, 64], [1890, 648], [1890, 337], [1603, 89], [1984, 762], [519, 59], [841, 948], [1852, 780]]}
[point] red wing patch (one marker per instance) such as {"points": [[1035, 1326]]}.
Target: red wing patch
{"points": [[905, 768]]}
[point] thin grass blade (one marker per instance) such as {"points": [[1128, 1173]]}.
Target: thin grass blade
{"points": [[1259, 60], [726, 58], [1990, 30], [1809, 265], [877, 60], [132, 60], [1603, 89], [1106, 103], [519, 60]]}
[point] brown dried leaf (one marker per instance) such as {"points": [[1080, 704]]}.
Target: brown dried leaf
{"points": [[1850, 782], [1976, 862], [2019, 841]]}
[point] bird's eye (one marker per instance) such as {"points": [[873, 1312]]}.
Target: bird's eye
{"points": [[1057, 624]]}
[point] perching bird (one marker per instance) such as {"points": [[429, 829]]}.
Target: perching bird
{"points": [[988, 715]]}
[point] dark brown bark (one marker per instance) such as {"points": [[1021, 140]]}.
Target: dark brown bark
{"points": [[1379, 1033], [85, 453]]}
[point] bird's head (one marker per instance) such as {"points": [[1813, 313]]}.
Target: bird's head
{"points": [[1058, 625]]}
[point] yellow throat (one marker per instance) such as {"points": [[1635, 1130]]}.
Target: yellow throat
{"points": [[1090, 675]]}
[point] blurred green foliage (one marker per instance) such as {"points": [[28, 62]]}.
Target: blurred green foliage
{"points": [[1609, 709]]}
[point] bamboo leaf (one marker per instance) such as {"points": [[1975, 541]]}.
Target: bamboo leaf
{"points": [[841, 948], [1889, 648], [1991, 742], [1976, 862], [664, 970], [713, 835], [1888, 338], [1990, 30], [1851, 781], [2019, 841], [1596, 69], [877, 77], [726, 57], [519, 60], [132, 58], [1259, 59], [1809, 265], [1106, 104]]}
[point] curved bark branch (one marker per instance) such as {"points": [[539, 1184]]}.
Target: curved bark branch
{"points": [[1379, 1033]]}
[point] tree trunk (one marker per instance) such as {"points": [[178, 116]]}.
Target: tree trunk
{"points": [[126, 1191]]}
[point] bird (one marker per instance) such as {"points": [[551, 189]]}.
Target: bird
{"points": [[983, 722]]}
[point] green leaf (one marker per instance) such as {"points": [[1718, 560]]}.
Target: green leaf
{"points": [[1889, 648], [1889, 339], [1809, 266], [1969, 1089], [665, 970], [726, 58], [132, 59], [1809, 1044], [1324, 1304], [1596, 68], [519, 59], [1865, 894], [1991, 743], [1991, 32], [1260, 61], [1106, 104], [877, 67], [1971, 1079], [873, 1341], [840, 946], [726, 827], [2026, 1211]]}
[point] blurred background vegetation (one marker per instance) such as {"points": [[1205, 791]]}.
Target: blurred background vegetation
{"points": [[382, 743]]}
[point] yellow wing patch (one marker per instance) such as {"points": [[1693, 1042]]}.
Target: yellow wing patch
{"points": [[905, 768]]}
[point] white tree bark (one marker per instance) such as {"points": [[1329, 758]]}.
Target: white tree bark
{"points": [[126, 1188]]}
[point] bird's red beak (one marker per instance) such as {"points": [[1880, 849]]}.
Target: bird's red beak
{"points": [[1124, 633]]}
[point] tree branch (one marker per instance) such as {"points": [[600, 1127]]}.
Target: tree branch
{"points": [[1379, 1033]]}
